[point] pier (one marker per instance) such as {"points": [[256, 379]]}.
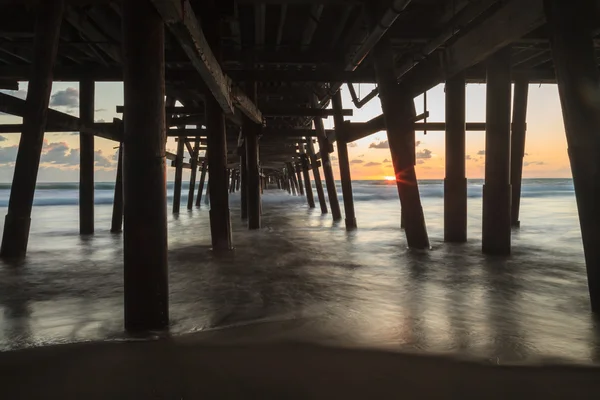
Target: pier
{"points": [[249, 82]]}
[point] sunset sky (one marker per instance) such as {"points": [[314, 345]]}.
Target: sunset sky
{"points": [[546, 148]]}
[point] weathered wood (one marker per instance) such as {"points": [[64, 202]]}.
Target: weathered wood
{"points": [[194, 170], [117, 212], [291, 177], [325, 148], [570, 28], [18, 218], [310, 199], [344, 163], [517, 145], [201, 184], [181, 20], [86, 159], [251, 133], [299, 179], [496, 190], [455, 183], [244, 182], [145, 229], [399, 111], [178, 177], [317, 176]]}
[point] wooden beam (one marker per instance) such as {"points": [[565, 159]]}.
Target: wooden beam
{"points": [[179, 16]]}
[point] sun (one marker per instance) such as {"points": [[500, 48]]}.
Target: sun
{"points": [[389, 178]]}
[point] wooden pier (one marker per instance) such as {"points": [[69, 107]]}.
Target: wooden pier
{"points": [[255, 80]]}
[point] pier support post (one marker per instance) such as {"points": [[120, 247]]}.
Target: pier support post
{"points": [[399, 113], [455, 183], [324, 147], [178, 175], [298, 178], [145, 228], [220, 224], [344, 162], [570, 26], [317, 176], [517, 144], [86, 158], [117, 212], [244, 183], [194, 171], [202, 180], [496, 189], [18, 218], [310, 198], [292, 177], [251, 133]]}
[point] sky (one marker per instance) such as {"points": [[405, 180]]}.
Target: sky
{"points": [[546, 147]]}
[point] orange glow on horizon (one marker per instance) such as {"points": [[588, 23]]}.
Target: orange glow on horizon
{"points": [[389, 178]]}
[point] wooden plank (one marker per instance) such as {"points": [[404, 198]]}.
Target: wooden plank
{"points": [[181, 20]]}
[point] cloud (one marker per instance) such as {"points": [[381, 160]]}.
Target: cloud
{"points": [[3, 138], [352, 144], [481, 153], [8, 154], [380, 145], [68, 98], [100, 160], [362, 155], [386, 161], [526, 154], [332, 157], [372, 164], [59, 153], [528, 163], [100, 110], [424, 154], [21, 94], [420, 161], [417, 143], [468, 157], [356, 162]]}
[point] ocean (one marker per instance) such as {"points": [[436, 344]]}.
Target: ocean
{"points": [[303, 277]]}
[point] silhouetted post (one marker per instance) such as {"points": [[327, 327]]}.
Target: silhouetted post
{"points": [[324, 147], [399, 113], [310, 199], [278, 182], [571, 31], [251, 132], [291, 178], [220, 226], [317, 175], [344, 162], [496, 190], [244, 182], [178, 174], [207, 195], [117, 212], [299, 178], [18, 218], [455, 184], [86, 158], [517, 144], [145, 229], [238, 179], [194, 170], [202, 179]]}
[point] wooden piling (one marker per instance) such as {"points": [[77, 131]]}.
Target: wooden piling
{"points": [[117, 212], [317, 176], [571, 26], [299, 179], [251, 133], [278, 183], [194, 171], [231, 180], [517, 144], [292, 179], [244, 183], [202, 179], [145, 228], [86, 158], [310, 199], [178, 175], [324, 147], [455, 183], [496, 189], [399, 113], [18, 218], [344, 162]]}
